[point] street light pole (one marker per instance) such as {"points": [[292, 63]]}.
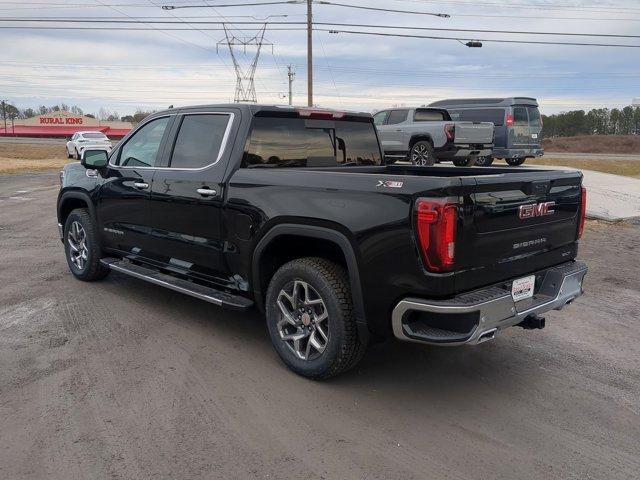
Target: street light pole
{"points": [[309, 54]]}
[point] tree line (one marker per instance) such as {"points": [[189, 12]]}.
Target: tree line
{"points": [[598, 121], [11, 112]]}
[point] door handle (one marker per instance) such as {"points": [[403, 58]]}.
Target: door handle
{"points": [[141, 185], [206, 192]]}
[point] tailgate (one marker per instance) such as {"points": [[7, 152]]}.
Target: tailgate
{"points": [[517, 223], [473, 132]]}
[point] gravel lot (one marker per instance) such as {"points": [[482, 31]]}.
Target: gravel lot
{"points": [[124, 380]]}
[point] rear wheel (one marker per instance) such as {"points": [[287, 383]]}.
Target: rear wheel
{"points": [[77, 154], [310, 318], [82, 248], [484, 161], [464, 162], [69, 154], [514, 162], [422, 154]]}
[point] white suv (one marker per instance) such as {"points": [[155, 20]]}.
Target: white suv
{"points": [[80, 141]]}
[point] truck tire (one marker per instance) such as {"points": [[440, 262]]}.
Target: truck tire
{"points": [[310, 318], [422, 153], [82, 248], [484, 161], [464, 161], [514, 162]]}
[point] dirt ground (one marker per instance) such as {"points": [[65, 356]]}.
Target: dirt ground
{"points": [[16, 158], [611, 144], [125, 380]]}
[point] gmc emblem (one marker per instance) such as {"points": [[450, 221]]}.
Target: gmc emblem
{"points": [[536, 210]]}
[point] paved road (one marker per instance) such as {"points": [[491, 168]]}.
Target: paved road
{"points": [[121, 379]]}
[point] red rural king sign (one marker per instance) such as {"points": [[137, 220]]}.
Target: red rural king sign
{"points": [[61, 120]]}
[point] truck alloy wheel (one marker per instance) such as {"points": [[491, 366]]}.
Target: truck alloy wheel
{"points": [[422, 154], [484, 161], [78, 251], [303, 324], [311, 319]]}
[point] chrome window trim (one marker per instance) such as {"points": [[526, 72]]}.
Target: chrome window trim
{"points": [[223, 144]]}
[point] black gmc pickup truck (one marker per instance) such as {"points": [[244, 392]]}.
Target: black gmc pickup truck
{"points": [[294, 212]]}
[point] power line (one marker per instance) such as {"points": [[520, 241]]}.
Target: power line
{"points": [[328, 24], [323, 2], [283, 2], [534, 42]]}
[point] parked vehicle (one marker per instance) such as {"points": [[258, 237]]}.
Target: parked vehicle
{"points": [[428, 135], [81, 141], [517, 120], [294, 212]]}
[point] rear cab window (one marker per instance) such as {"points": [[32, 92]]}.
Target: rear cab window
{"points": [[300, 142], [430, 115]]}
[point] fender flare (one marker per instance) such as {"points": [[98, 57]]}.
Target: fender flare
{"points": [[76, 195], [322, 233]]}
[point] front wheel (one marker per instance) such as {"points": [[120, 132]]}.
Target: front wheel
{"points": [[69, 154], [464, 161], [422, 154], [82, 248], [78, 157], [310, 317], [484, 161], [514, 162]]}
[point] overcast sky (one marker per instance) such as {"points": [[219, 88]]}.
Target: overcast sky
{"points": [[125, 69]]}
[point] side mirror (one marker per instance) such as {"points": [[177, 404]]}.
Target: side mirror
{"points": [[94, 159]]}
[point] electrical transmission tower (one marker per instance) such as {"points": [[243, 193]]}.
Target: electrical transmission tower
{"points": [[245, 87]]}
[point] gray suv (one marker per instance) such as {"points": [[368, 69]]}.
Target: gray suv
{"points": [[518, 125]]}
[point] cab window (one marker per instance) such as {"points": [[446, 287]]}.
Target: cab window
{"points": [[142, 149], [199, 140], [397, 116]]}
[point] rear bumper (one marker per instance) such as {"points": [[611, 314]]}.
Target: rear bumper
{"points": [[476, 316], [450, 151], [517, 152]]}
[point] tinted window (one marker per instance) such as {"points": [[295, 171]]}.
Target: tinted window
{"points": [[199, 141], [534, 116], [101, 136], [141, 150], [520, 116], [296, 142], [429, 116], [380, 117], [397, 116], [493, 115], [357, 143]]}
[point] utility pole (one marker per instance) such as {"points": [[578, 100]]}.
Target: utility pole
{"points": [[291, 74], [309, 54]]}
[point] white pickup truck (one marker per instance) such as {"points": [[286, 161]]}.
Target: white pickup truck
{"points": [[428, 135]]}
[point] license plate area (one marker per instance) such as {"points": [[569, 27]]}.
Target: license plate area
{"points": [[522, 288]]}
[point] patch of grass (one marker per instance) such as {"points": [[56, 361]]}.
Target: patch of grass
{"points": [[19, 158], [594, 144], [628, 168]]}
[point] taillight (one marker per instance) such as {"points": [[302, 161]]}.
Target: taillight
{"points": [[450, 131], [583, 212], [509, 120], [436, 227]]}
